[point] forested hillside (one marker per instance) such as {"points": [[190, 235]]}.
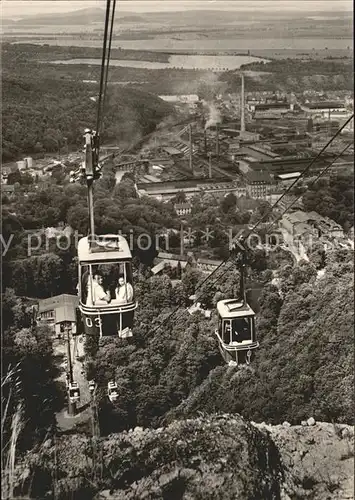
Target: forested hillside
{"points": [[42, 110]]}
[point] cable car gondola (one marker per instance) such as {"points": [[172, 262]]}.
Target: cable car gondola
{"points": [[92, 386], [112, 391], [236, 332], [106, 294], [74, 392]]}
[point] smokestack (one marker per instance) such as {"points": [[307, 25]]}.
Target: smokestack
{"points": [[210, 166], [242, 108], [181, 240], [205, 141], [217, 140], [191, 149]]}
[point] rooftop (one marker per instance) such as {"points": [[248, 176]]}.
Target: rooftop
{"points": [[111, 248], [182, 206], [64, 306], [272, 105], [232, 308], [325, 105], [258, 176], [292, 175], [296, 217], [172, 151]]}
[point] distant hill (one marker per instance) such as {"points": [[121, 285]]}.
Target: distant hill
{"points": [[82, 16], [184, 17]]}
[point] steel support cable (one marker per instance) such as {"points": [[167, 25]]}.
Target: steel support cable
{"points": [[304, 171], [294, 201], [310, 184], [268, 213], [166, 320], [108, 57], [102, 74]]}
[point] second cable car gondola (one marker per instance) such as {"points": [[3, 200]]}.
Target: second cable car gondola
{"points": [[236, 332], [105, 287]]}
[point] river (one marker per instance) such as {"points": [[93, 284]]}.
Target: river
{"points": [[186, 61]]}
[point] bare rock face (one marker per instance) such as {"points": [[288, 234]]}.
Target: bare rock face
{"points": [[219, 457], [317, 460], [211, 457]]}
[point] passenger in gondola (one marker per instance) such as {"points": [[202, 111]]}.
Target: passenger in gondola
{"points": [[96, 293], [84, 286], [227, 331], [123, 291]]}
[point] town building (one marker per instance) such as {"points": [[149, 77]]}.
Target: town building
{"points": [[208, 265], [289, 165], [301, 224], [258, 153], [166, 190], [287, 180], [181, 99], [59, 313], [324, 109], [258, 184], [173, 152], [271, 110], [183, 208], [173, 260]]}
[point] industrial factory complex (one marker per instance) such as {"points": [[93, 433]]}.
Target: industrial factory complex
{"points": [[249, 144], [252, 144]]}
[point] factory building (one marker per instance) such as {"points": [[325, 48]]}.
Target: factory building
{"points": [[258, 184], [288, 165], [168, 189]]}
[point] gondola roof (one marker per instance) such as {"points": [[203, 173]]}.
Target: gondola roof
{"points": [[110, 247], [232, 308]]}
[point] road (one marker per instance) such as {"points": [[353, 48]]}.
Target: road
{"points": [[83, 413]]}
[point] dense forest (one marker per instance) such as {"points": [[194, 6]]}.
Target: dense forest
{"points": [[292, 75], [42, 111], [333, 198]]}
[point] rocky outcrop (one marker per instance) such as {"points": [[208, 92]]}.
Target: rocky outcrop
{"points": [[210, 457], [317, 459]]}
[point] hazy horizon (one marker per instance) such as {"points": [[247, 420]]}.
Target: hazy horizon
{"points": [[23, 8]]}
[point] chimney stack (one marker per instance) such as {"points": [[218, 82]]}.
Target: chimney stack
{"points": [[182, 240], [190, 150], [242, 108], [217, 141], [210, 166], [205, 141]]}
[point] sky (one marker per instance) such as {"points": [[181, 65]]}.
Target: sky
{"points": [[21, 8]]}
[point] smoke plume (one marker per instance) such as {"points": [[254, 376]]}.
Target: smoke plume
{"points": [[214, 116]]}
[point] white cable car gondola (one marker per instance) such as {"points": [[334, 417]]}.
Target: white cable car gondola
{"points": [[112, 391], [236, 322], [236, 330], [74, 392], [92, 386], [106, 295]]}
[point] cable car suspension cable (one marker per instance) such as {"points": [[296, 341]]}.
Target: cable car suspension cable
{"points": [[108, 57], [270, 211], [102, 74]]}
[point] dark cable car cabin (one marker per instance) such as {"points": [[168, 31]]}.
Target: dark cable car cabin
{"points": [[236, 331], [74, 392], [106, 294], [112, 391]]}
